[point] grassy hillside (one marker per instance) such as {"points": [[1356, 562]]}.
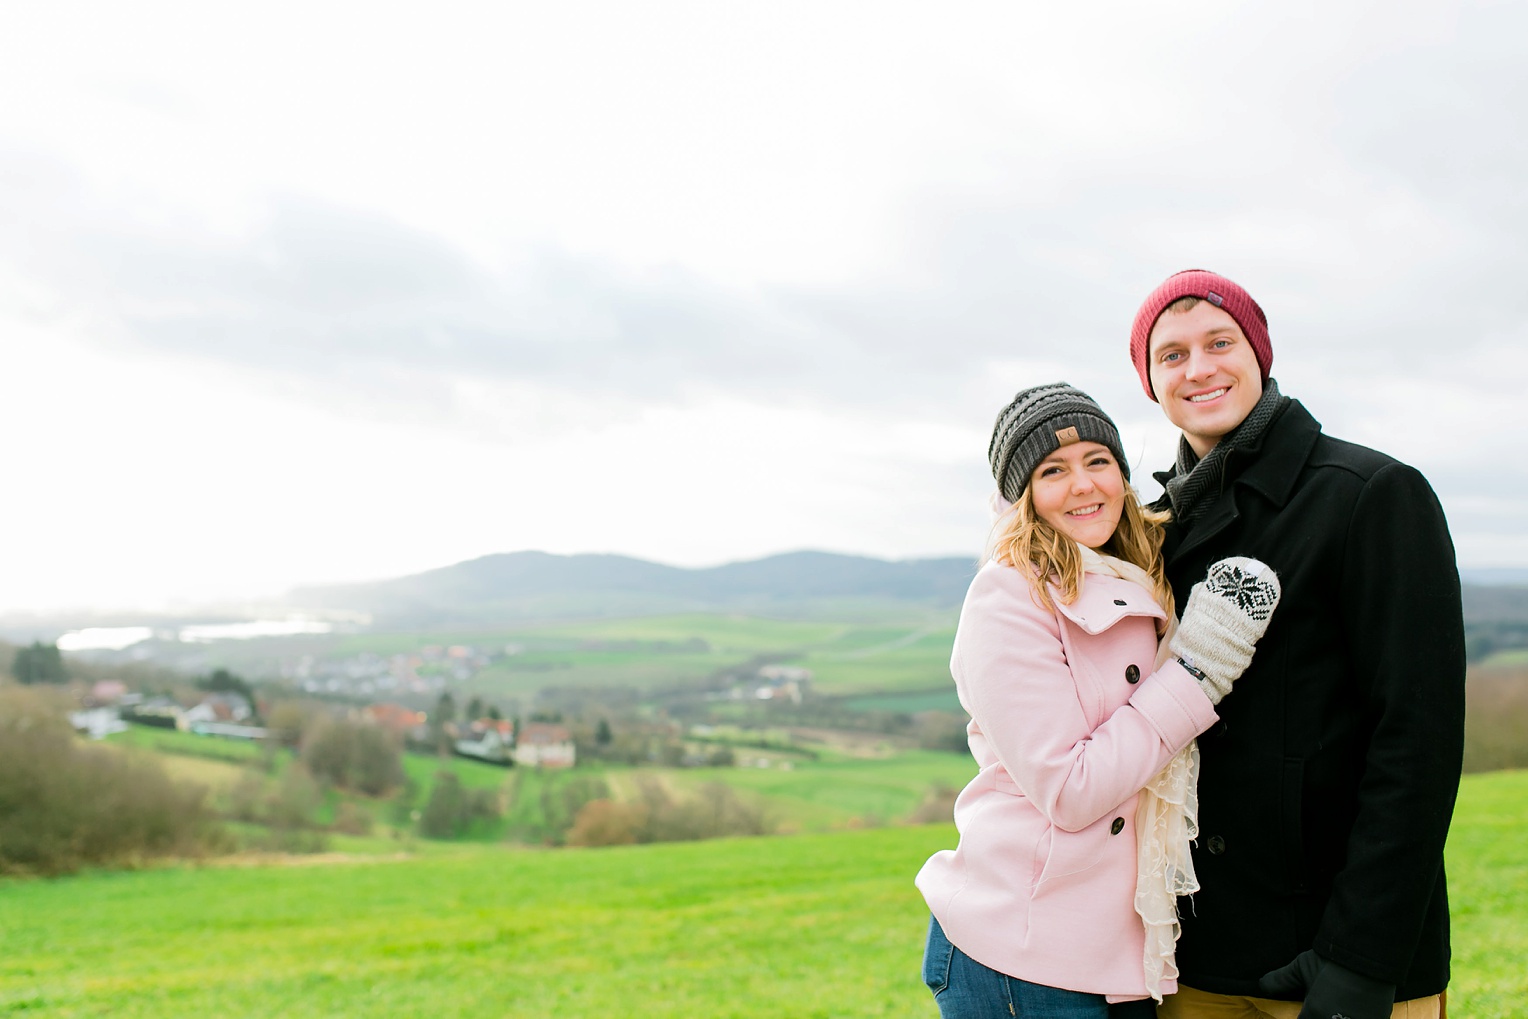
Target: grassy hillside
{"points": [[813, 925]]}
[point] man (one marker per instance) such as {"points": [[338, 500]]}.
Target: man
{"points": [[1327, 787]]}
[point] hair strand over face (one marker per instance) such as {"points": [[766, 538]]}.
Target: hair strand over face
{"points": [[1022, 537]]}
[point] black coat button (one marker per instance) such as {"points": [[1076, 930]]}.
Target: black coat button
{"points": [[1118, 826], [1119, 601], [1216, 845], [1132, 674]]}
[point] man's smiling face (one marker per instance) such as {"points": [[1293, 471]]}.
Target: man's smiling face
{"points": [[1204, 373]]}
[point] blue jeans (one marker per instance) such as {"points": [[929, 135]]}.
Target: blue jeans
{"points": [[965, 989]]}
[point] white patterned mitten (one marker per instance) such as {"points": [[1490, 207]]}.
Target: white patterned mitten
{"points": [[1227, 613]]}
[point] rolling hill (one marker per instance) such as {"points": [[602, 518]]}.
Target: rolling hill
{"points": [[527, 586]]}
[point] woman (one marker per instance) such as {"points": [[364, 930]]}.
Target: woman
{"points": [[1049, 906]]}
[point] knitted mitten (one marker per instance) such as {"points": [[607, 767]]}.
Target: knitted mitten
{"points": [[1226, 614]]}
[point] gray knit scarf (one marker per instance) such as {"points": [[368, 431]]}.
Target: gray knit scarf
{"points": [[1196, 483]]}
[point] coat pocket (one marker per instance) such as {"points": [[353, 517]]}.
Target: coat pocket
{"points": [[1291, 824], [1072, 852]]}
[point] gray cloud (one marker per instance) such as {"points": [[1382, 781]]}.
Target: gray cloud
{"points": [[1372, 200], [1372, 210], [351, 293]]}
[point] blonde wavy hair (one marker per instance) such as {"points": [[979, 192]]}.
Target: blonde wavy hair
{"points": [[1021, 537]]}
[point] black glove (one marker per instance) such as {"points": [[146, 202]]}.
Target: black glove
{"points": [[1329, 991]]}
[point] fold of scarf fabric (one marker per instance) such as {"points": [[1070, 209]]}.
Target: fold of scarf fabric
{"points": [[1197, 482], [1166, 820]]}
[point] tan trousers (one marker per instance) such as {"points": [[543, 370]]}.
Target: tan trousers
{"points": [[1189, 1003]]}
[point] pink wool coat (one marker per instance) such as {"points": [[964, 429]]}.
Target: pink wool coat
{"points": [[1068, 723]]}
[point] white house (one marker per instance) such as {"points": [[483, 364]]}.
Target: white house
{"points": [[544, 745], [97, 723]]}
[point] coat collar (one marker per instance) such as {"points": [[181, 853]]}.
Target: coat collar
{"points": [[1273, 465], [1269, 467], [1105, 600]]}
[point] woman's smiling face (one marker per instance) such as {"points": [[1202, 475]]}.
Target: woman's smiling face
{"points": [[1080, 491]]}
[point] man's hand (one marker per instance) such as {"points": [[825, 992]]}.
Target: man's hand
{"points": [[1329, 991]]}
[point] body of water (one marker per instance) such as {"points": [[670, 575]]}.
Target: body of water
{"points": [[115, 638]]}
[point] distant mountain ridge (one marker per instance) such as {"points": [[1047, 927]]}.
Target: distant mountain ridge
{"points": [[540, 585], [535, 587]]}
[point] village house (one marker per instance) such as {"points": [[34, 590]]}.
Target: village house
{"points": [[217, 714], [97, 723], [221, 714], [486, 739], [782, 683], [544, 745], [159, 712], [404, 723], [218, 707], [107, 691]]}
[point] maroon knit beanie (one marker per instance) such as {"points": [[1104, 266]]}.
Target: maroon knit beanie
{"points": [[1207, 286]]}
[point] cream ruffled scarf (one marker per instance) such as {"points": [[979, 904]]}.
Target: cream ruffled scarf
{"points": [[1166, 819]]}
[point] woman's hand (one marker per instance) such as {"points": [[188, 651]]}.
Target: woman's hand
{"points": [[1227, 614]]}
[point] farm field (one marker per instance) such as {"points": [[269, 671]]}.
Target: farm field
{"points": [[885, 656], [812, 925], [844, 658], [911, 660]]}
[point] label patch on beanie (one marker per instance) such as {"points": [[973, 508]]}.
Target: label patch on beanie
{"points": [[1067, 436], [1213, 298]]}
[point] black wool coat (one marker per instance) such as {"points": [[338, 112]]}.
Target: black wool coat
{"points": [[1327, 787]]}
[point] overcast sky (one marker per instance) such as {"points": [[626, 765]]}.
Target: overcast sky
{"points": [[307, 292]]}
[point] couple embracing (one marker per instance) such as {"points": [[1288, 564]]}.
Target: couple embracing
{"points": [[1219, 737]]}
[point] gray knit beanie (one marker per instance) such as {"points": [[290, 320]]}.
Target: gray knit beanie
{"points": [[1040, 421]]}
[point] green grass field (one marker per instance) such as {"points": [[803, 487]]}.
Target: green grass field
{"points": [[834, 793], [913, 659], [812, 925], [186, 744], [894, 654], [830, 794], [807, 926], [1488, 897]]}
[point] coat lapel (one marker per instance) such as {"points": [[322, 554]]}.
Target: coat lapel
{"points": [[1270, 468], [1221, 514]]}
